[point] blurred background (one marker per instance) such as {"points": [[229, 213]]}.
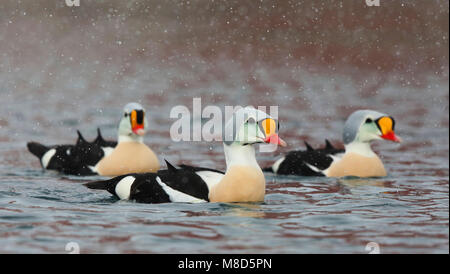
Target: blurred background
{"points": [[65, 66]]}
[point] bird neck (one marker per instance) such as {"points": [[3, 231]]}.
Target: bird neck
{"points": [[238, 155], [130, 138], [361, 148], [243, 181]]}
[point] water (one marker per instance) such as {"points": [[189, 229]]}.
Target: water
{"points": [[77, 70], [42, 213]]}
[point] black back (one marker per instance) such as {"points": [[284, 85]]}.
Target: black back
{"points": [[195, 169], [146, 189], [76, 159]]}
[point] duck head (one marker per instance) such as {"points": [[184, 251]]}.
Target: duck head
{"points": [[133, 124], [364, 126], [249, 126]]}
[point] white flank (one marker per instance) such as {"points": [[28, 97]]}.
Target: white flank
{"points": [[123, 188], [177, 196], [94, 168], [47, 157], [211, 178], [336, 158], [313, 168], [107, 150]]}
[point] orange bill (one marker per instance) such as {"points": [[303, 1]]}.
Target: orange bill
{"points": [[137, 122], [270, 127], [386, 125]]}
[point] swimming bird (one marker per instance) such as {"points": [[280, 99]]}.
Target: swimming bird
{"points": [[72, 159], [357, 159], [243, 180], [102, 157]]}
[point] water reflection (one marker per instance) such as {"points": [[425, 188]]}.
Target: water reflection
{"points": [[357, 182]]}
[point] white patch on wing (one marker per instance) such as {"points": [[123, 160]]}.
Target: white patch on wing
{"points": [[178, 196], [93, 168], [211, 178], [123, 187], [313, 168], [47, 157], [107, 150], [277, 164], [336, 158]]}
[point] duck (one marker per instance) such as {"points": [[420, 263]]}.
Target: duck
{"points": [[242, 181], [102, 157], [357, 159]]}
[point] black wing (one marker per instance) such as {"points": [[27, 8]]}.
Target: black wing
{"points": [[146, 188], [296, 162], [73, 159], [185, 180]]}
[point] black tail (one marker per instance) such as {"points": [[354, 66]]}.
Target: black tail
{"points": [[37, 149], [109, 185], [99, 185], [268, 169]]}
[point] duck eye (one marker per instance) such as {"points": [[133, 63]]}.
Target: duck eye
{"points": [[250, 120], [368, 121], [125, 114]]}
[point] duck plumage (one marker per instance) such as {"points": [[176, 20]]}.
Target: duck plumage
{"points": [[243, 180]]}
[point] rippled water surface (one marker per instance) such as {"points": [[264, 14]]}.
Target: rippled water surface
{"points": [[61, 71]]}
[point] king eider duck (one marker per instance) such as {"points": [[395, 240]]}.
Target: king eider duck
{"points": [[357, 159], [101, 157], [243, 180]]}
